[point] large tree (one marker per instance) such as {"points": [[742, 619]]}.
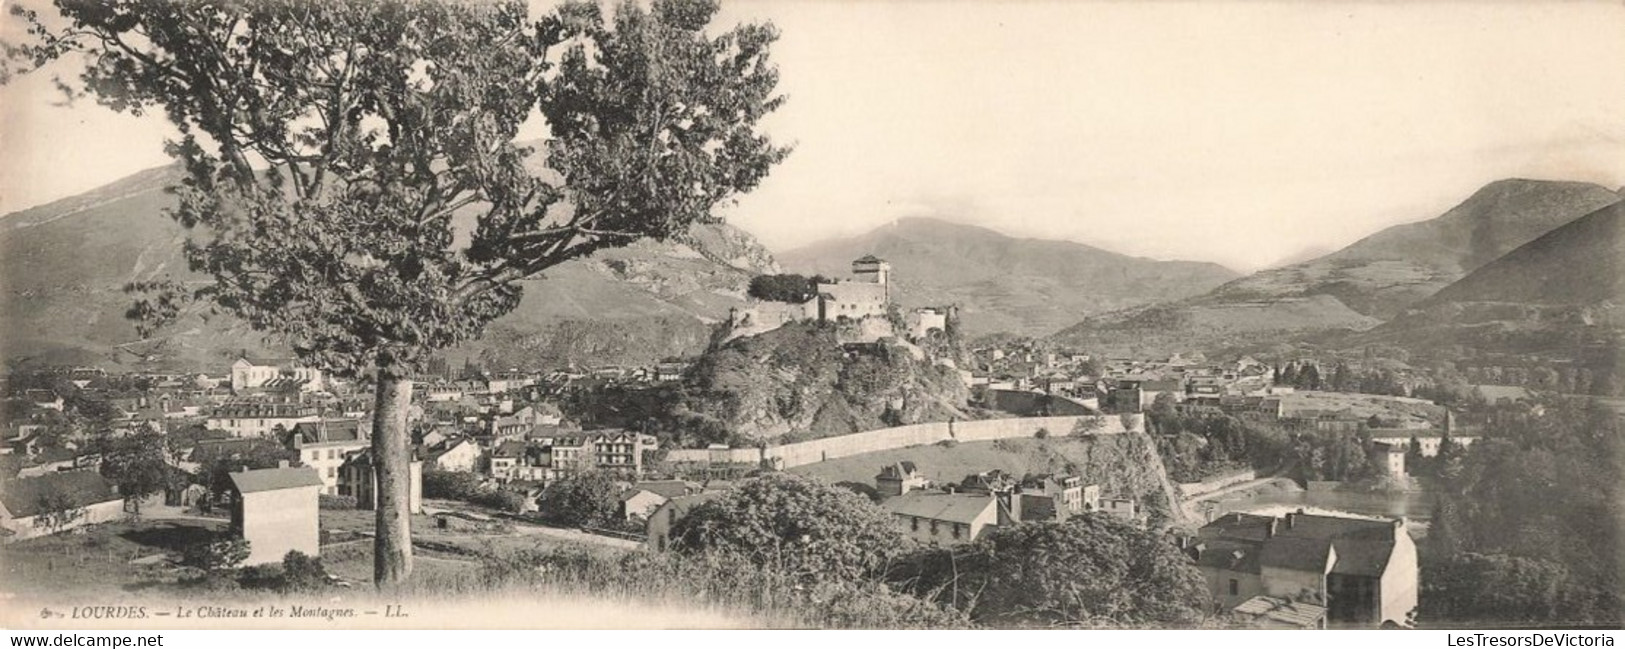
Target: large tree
{"points": [[1092, 570], [792, 524], [352, 181]]}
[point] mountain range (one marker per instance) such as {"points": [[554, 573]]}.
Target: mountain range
{"points": [[64, 264], [1003, 283], [1518, 255], [1560, 297], [1354, 289]]}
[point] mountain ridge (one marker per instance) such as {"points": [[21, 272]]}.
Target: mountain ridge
{"points": [[1001, 282], [1357, 287]]}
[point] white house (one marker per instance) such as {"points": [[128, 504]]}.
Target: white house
{"points": [[275, 511]]}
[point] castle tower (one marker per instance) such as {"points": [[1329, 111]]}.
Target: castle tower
{"points": [[873, 270]]}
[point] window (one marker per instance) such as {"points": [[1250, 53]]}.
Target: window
{"points": [[956, 530], [1234, 587], [332, 453], [933, 528], [332, 472], [914, 524]]}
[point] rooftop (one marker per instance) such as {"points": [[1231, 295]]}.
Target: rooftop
{"points": [[275, 479], [28, 496], [941, 506]]}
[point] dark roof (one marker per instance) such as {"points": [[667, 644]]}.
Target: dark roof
{"points": [[1296, 553], [1362, 545], [898, 470], [274, 479], [666, 488], [953, 508], [328, 431], [1228, 555], [25, 496], [680, 505], [510, 448], [867, 259]]}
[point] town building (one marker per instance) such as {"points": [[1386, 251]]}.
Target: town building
{"points": [[259, 419], [1363, 571], [665, 517], [324, 445], [942, 517], [643, 498], [899, 478], [455, 454], [358, 479], [275, 511], [76, 498], [249, 373]]}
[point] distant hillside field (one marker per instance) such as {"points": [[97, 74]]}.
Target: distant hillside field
{"points": [[1001, 283]]}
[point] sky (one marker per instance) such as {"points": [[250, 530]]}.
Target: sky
{"points": [[1239, 133]]}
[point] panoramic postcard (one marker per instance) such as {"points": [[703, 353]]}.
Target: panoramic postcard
{"points": [[461, 314]]}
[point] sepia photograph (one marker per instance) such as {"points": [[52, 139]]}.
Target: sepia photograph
{"points": [[1000, 315]]}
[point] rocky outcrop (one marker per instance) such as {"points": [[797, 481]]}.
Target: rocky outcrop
{"points": [[799, 382]]}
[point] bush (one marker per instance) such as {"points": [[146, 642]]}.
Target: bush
{"points": [[581, 500], [504, 500], [214, 556], [327, 501], [796, 526], [450, 485], [1043, 433], [301, 572]]}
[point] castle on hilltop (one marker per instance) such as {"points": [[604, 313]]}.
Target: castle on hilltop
{"points": [[861, 305], [867, 294]]}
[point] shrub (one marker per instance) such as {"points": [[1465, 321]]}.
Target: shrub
{"points": [[1043, 433], [796, 526], [302, 572], [328, 501], [450, 485], [583, 499], [504, 500], [213, 556]]}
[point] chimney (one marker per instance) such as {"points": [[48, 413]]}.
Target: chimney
{"points": [[1269, 528]]}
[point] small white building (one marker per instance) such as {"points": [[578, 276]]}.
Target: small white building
{"points": [[275, 510]]}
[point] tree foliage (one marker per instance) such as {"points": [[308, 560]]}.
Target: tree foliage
{"points": [[585, 499], [352, 183], [1540, 485], [791, 288], [57, 512], [220, 554], [1092, 570], [138, 464], [796, 526]]}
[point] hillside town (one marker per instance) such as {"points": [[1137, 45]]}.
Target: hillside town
{"points": [[293, 444], [671, 314]]}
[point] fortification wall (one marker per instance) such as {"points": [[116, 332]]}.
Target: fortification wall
{"points": [[1196, 489], [828, 448]]}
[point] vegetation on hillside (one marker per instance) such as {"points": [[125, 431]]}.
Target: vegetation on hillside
{"points": [[1533, 508], [1094, 570]]}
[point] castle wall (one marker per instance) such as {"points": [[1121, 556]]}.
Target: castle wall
{"points": [[818, 450]]}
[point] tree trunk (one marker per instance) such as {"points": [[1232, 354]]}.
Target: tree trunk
{"points": [[392, 547]]}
